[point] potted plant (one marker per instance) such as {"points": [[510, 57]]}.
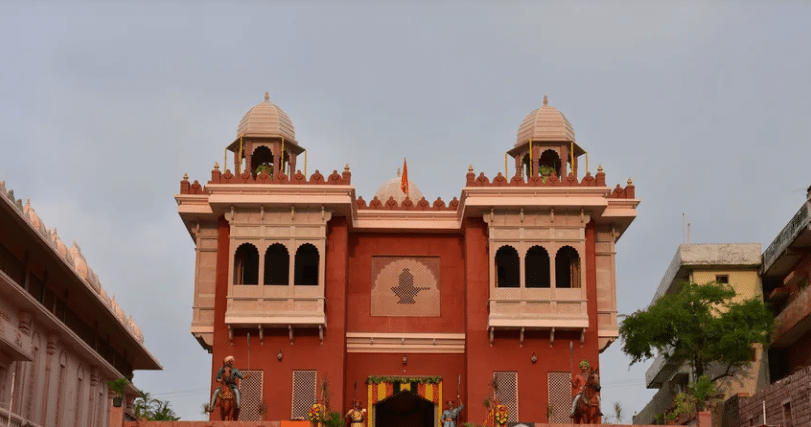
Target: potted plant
{"points": [[117, 387]]}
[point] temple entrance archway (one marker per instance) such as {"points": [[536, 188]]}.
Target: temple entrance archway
{"points": [[404, 409]]}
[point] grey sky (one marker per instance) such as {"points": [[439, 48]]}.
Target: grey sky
{"points": [[104, 106]]}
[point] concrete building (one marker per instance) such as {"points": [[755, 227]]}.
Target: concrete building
{"points": [[786, 273], [735, 264], [303, 280], [61, 336]]}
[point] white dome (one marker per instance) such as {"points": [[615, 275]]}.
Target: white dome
{"points": [[391, 188]]}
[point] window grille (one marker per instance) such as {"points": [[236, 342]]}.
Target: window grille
{"points": [[507, 392], [304, 386], [560, 397], [251, 395]]}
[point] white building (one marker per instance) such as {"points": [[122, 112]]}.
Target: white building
{"points": [[61, 336]]}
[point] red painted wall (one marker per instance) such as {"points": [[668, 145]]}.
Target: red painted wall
{"points": [[307, 352], [464, 283], [506, 354], [365, 245]]}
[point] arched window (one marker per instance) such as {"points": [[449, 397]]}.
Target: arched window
{"points": [[246, 265], [536, 268], [567, 268], [306, 265], [277, 265], [507, 270], [261, 159], [548, 163]]}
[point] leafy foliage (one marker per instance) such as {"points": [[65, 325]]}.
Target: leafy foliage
{"points": [[699, 325], [403, 380], [144, 406], [333, 419], [618, 415], [118, 386]]}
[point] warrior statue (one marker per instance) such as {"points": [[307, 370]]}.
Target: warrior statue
{"points": [[228, 376], [448, 417], [579, 386], [356, 415]]}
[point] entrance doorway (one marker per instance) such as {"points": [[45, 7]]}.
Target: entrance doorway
{"points": [[404, 409]]}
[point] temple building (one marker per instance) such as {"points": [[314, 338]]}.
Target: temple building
{"points": [[62, 336], [398, 301]]}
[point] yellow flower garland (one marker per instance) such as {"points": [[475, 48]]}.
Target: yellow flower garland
{"points": [[317, 413]]}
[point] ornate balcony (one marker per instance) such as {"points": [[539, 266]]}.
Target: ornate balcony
{"points": [[546, 309]]}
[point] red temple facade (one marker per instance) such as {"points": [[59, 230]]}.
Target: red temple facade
{"points": [[497, 292]]}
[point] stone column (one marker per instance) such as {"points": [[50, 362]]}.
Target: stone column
{"points": [[51, 349], [94, 382]]}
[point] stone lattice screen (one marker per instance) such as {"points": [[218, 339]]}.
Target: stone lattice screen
{"points": [[507, 392], [560, 401], [304, 386], [251, 398]]}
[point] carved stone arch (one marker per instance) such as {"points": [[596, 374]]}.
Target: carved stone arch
{"points": [[307, 263], [277, 265], [262, 156], [537, 268], [550, 158], [567, 268], [507, 267], [246, 265]]}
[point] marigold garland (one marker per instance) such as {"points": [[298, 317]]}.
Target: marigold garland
{"points": [[501, 415], [403, 380], [317, 413]]}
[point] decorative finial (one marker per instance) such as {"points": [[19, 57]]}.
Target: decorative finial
{"points": [[630, 182], [470, 168], [600, 167], [217, 165], [346, 168], [267, 96], [545, 100], [399, 172], [185, 176]]}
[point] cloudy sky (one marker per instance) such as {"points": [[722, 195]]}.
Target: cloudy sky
{"points": [[104, 106]]}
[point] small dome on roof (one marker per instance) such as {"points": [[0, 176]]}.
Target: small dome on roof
{"points": [[34, 218], [266, 119], [545, 124], [391, 188]]}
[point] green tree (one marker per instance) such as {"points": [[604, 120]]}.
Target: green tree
{"points": [[700, 325], [144, 406]]}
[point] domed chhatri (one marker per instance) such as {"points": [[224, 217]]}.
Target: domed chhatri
{"points": [[545, 124], [266, 120], [546, 145], [392, 188], [266, 140]]}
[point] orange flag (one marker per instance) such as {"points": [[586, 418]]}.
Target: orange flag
{"points": [[404, 178]]}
